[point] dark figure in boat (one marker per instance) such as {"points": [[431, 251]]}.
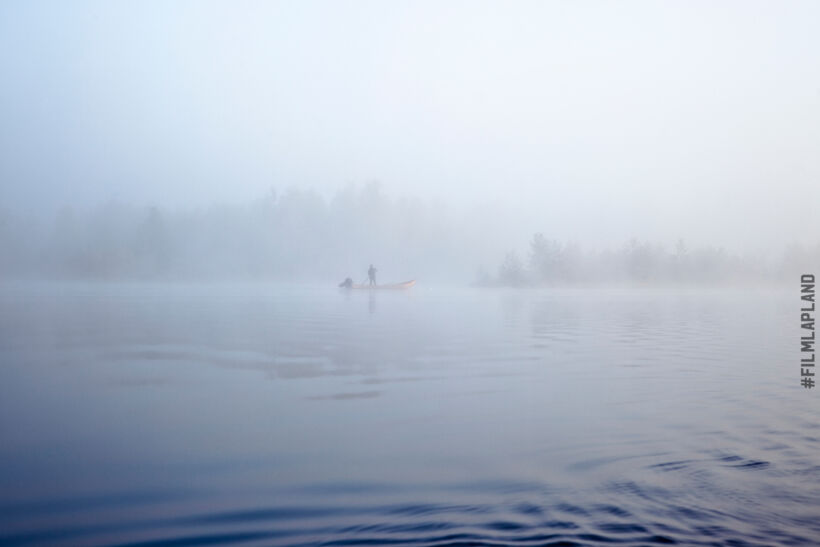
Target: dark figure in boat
{"points": [[348, 284], [371, 273]]}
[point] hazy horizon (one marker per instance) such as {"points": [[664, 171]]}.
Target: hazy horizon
{"points": [[590, 122], [382, 272]]}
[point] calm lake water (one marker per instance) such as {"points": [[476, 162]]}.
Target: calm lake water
{"points": [[290, 415]]}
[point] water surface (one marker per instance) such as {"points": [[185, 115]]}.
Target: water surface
{"points": [[143, 414]]}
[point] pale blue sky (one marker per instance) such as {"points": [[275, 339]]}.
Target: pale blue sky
{"points": [[591, 120]]}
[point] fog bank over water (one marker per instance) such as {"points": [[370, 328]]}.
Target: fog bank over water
{"points": [[591, 221], [298, 235], [591, 122]]}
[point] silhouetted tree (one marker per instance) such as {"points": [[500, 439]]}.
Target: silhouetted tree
{"points": [[545, 258], [511, 271]]}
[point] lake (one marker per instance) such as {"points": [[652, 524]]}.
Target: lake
{"points": [[256, 414]]}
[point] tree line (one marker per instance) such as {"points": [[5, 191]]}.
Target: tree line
{"points": [[293, 234], [302, 235], [551, 262]]}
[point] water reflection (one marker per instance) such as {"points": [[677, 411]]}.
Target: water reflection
{"points": [[304, 416]]}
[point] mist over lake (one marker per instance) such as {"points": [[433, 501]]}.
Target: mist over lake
{"points": [[300, 236], [437, 273]]}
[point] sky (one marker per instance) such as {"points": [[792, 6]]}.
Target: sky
{"points": [[589, 121]]}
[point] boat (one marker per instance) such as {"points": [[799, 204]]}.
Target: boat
{"points": [[403, 285]]}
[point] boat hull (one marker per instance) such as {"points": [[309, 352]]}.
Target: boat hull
{"points": [[392, 286]]}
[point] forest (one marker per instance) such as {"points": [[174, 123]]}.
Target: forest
{"points": [[300, 235], [550, 262]]}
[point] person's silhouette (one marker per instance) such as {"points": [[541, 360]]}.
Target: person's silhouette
{"points": [[371, 273]]}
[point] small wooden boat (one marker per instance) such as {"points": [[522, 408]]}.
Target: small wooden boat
{"points": [[404, 285]]}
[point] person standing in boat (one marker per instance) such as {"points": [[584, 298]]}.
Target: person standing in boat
{"points": [[371, 273]]}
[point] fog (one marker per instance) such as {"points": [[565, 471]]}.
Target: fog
{"points": [[300, 236], [596, 225], [643, 140]]}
